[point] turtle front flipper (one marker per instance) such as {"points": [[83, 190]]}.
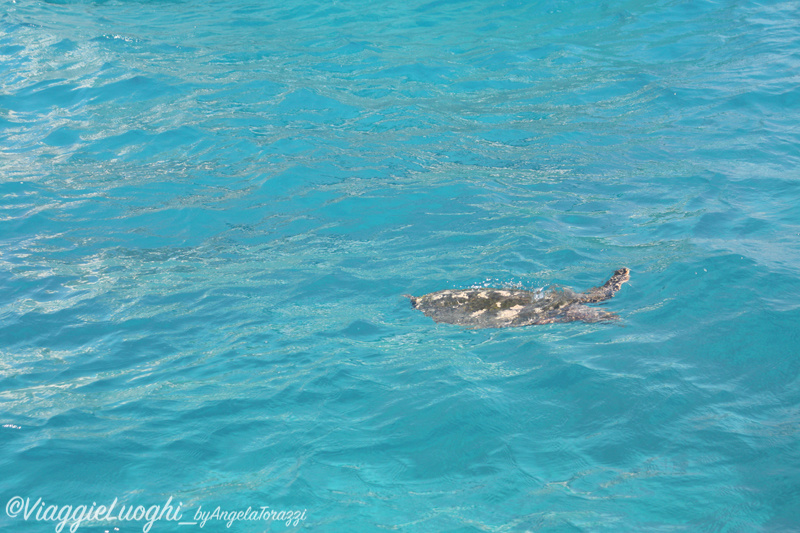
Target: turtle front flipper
{"points": [[608, 289], [588, 314]]}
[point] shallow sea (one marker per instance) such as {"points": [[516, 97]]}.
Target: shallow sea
{"points": [[210, 211]]}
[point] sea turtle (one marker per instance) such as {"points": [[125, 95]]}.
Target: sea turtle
{"points": [[504, 308]]}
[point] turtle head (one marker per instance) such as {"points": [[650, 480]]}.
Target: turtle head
{"points": [[620, 276]]}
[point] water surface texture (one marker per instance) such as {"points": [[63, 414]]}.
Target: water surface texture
{"points": [[210, 211]]}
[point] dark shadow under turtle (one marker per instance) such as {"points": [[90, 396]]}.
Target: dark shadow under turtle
{"points": [[507, 308]]}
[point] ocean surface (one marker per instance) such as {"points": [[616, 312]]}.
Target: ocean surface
{"points": [[210, 213]]}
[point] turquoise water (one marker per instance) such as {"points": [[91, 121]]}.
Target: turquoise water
{"points": [[211, 210]]}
